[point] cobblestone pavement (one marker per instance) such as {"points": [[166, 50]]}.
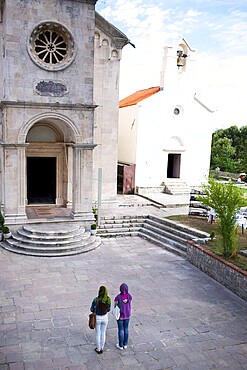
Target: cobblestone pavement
{"points": [[182, 319]]}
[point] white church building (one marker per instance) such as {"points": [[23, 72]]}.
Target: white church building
{"points": [[165, 131]]}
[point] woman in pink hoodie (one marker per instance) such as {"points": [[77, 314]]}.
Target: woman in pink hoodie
{"points": [[123, 301]]}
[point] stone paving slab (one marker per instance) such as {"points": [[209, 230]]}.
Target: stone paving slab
{"points": [[182, 319]]}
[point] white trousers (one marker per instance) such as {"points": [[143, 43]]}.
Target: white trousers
{"points": [[101, 325]]}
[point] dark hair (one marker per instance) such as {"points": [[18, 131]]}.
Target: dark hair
{"points": [[101, 293], [103, 306]]}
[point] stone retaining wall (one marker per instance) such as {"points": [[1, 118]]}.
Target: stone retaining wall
{"points": [[222, 271]]}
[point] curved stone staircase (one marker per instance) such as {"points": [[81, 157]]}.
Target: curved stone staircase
{"points": [[51, 240]]}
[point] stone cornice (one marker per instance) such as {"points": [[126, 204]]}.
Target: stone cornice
{"points": [[86, 1], [119, 38], [84, 146], [13, 145], [23, 104]]}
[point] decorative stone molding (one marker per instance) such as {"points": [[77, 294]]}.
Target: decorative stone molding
{"points": [[222, 271], [51, 88], [30, 104], [51, 46]]}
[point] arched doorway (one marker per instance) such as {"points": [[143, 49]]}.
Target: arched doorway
{"points": [[46, 169]]}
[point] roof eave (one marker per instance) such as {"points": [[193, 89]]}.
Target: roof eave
{"points": [[118, 37]]}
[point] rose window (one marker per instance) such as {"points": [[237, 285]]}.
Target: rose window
{"points": [[51, 46]]}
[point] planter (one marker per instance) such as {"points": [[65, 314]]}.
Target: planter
{"points": [[7, 236], [229, 275], [93, 232]]}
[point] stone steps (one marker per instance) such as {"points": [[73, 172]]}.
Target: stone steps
{"points": [[51, 240], [165, 233], [176, 187], [123, 226]]}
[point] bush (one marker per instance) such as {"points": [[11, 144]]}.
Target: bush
{"points": [[93, 227], [5, 229], [226, 200]]}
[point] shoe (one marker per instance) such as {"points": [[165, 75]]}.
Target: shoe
{"points": [[101, 351], [125, 347], [118, 347], [97, 351]]}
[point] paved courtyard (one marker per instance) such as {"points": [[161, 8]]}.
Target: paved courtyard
{"points": [[182, 319]]}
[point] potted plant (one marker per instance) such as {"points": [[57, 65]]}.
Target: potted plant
{"points": [[93, 229], [6, 232]]}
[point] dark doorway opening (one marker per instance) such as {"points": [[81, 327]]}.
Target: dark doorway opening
{"points": [[173, 166], [41, 180]]}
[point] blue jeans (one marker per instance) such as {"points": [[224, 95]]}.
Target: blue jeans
{"points": [[101, 325], [123, 332]]}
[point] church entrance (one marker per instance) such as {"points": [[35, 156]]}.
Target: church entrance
{"points": [[173, 166], [41, 180]]}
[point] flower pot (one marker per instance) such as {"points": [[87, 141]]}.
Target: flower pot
{"points": [[7, 236]]}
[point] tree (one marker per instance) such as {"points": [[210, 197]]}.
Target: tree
{"points": [[228, 150], [226, 200], [222, 154]]}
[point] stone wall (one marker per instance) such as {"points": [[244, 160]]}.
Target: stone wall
{"points": [[222, 271]]}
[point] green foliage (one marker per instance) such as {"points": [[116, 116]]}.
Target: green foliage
{"points": [[212, 235], [5, 229], [93, 227], [95, 209], [228, 150], [226, 200]]}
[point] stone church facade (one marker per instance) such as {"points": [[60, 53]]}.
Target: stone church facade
{"points": [[59, 103]]}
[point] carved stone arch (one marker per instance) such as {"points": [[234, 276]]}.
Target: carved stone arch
{"points": [[44, 132], [114, 54], [97, 39], [105, 43], [70, 131]]}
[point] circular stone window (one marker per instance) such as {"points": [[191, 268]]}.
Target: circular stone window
{"points": [[51, 46]]}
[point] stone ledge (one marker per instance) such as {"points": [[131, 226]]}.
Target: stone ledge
{"points": [[229, 275]]}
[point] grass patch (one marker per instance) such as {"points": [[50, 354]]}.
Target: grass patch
{"points": [[201, 223]]}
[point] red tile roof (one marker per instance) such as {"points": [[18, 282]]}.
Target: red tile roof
{"points": [[138, 96]]}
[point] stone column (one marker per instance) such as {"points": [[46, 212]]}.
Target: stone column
{"points": [[69, 160], [82, 182], [14, 180]]}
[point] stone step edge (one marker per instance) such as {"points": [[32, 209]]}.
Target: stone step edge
{"points": [[37, 247], [187, 229], [95, 245], [45, 242], [33, 230], [169, 230], [176, 244], [48, 236], [163, 245]]}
